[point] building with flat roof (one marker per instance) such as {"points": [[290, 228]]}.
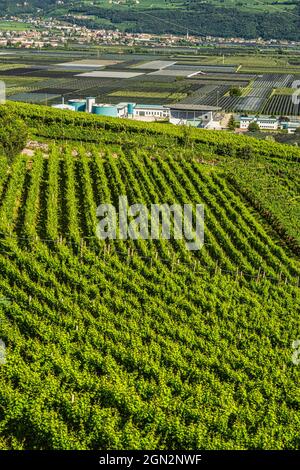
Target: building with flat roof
{"points": [[151, 112], [187, 114], [264, 122], [290, 126], [190, 114]]}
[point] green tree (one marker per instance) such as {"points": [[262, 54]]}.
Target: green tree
{"points": [[235, 91], [232, 123], [245, 152], [253, 127], [13, 134], [187, 136]]}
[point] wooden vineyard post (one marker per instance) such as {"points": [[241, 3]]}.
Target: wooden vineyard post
{"points": [[128, 255], [173, 261], [258, 275], [216, 268]]}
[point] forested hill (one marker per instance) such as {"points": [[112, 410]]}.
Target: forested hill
{"points": [[176, 17]]}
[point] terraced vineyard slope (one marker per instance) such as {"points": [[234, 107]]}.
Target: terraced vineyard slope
{"points": [[143, 344]]}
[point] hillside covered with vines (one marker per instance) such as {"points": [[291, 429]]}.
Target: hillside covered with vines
{"points": [[144, 344]]}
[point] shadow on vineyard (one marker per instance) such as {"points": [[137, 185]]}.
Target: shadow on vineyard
{"points": [[142, 344]]}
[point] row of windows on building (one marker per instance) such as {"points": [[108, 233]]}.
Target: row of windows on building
{"points": [[152, 113]]}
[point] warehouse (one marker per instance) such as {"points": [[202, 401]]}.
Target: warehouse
{"points": [[151, 112], [194, 114], [264, 123]]}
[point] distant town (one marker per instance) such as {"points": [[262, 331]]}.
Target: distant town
{"points": [[41, 33]]}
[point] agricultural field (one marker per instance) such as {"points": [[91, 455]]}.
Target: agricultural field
{"points": [[255, 95], [155, 65], [89, 63], [281, 105], [205, 68], [15, 26], [152, 78], [136, 344], [110, 74], [78, 78], [149, 94]]}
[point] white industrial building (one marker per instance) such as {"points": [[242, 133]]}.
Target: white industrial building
{"points": [[179, 114], [264, 123], [290, 126], [151, 112], [195, 115]]}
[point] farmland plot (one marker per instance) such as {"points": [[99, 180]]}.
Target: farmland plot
{"points": [[155, 65], [172, 73], [89, 63], [209, 97], [261, 89], [109, 74], [204, 68], [34, 97], [281, 104]]}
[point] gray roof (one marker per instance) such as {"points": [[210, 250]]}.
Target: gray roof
{"points": [[194, 107]]}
